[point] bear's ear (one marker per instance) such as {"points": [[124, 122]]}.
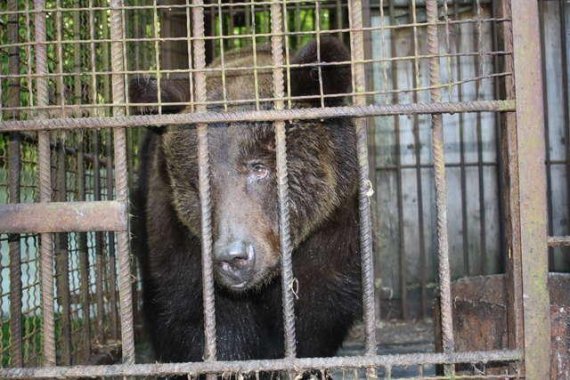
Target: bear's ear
{"points": [[336, 78]]}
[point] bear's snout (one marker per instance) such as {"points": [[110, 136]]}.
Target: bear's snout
{"points": [[235, 263]]}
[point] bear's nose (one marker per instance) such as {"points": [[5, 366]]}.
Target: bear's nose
{"points": [[236, 261]]}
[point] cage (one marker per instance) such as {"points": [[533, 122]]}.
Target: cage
{"points": [[460, 110]]}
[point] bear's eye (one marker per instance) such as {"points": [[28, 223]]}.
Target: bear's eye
{"points": [[258, 170]]}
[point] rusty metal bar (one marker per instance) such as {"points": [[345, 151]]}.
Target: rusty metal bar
{"points": [[559, 241], [99, 244], [62, 261], [112, 276], [253, 366], [14, 167], [463, 175], [482, 213], [532, 187], [565, 89], [448, 343], [121, 182], [365, 186], [83, 251], [417, 153], [258, 115], [550, 199], [509, 181], [63, 217], [287, 276], [46, 239], [402, 269], [204, 186]]}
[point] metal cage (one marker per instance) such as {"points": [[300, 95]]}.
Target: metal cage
{"points": [[69, 295]]}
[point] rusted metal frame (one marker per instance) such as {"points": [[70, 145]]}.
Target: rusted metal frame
{"points": [[417, 153], [287, 275], [482, 213], [99, 244], [14, 167], [402, 272], [532, 189], [547, 158], [565, 88], [257, 115], [463, 175], [62, 217], [254, 366], [62, 261], [204, 186], [121, 182], [509, 181], [365, 190], [444, 270], [112, 277], [46, 245]]}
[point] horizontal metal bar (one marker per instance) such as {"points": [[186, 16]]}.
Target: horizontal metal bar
{"points": [[559, 241], [265, 115], [63, 217], [162, 369]]}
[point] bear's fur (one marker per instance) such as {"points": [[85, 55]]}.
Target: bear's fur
{"points": [[322, 172]]}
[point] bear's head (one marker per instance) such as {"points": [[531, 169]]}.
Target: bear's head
{"points": [[321, 160]]}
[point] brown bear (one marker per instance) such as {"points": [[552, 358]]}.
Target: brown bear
{"points": [[322, 173]]}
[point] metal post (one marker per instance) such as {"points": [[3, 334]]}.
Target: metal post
{"points": [[531, 194]]}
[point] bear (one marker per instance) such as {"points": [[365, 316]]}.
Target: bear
{"points": [[323, 183]]}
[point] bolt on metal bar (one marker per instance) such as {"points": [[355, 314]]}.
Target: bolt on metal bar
{"points": [[440, 187], [530, 147], [254, 366], [14, 181], [365, 186], [204, 185], [46, 245], [287, 276], [261, 115], [121, 182]]}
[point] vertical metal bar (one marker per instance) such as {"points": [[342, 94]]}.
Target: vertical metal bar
{"points": [[46, 246], [83, 252], [550, 206], [440, 184], [287, 276], [99, 243], [565, 92], [417, 153], [399, 196], [204, 184], [510, 183], [482, 213], [80, 193], [462, 166], [62, 263], [112, 275], [365, 186], [14, 167], [532, 189], [121, 180]]}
